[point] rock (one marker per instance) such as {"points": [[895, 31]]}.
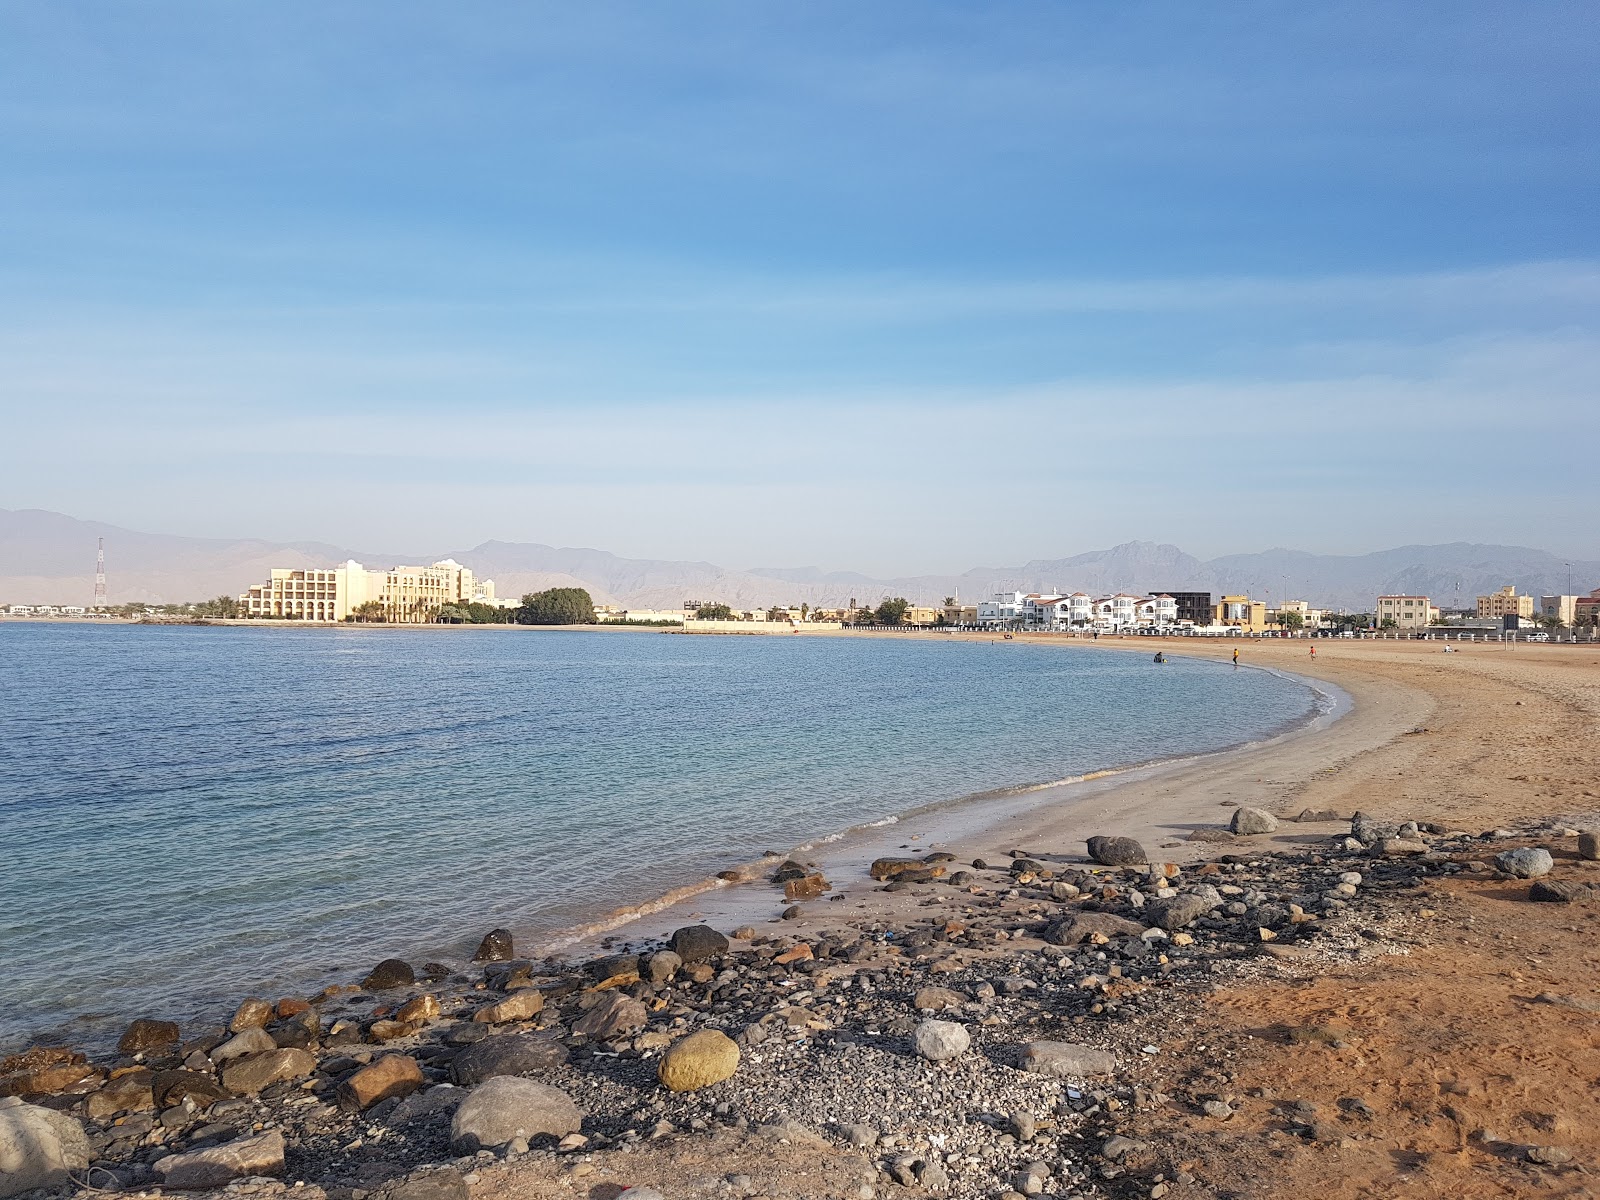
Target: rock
{"points": [[1178, 911], [392, 1075], [145, 1035], [1067, 1058], [390, 973], [1525, 862], [124, 1094], [1219, 1110], [1364, 829], [787, 1129], [1589, 846], [617, 1015], [254, 1013], [43, 1072], [496, 947], [661, 966], [419, 1008], [889, 868], [171, 1088], [808, 887], [1081, 927], [519, 1006], [1556, 891], [217, 1165], [247, 1076], [1547, 1156], [696, 943], [253, 1040], [860, 1137], [936, 999], [1209, 835], [614, 970], [698, 1061], [507, 1054], [1248, 821], [1116, 851], [506, 1107], [940, 1041], [39, 1148], [440, 1183], [441, 1097], [1394, 847], [1117, 1146], [392, 1031], [1317, 815]]}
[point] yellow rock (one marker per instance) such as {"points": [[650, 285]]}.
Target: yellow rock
{"points": [[1266, 934], [518, 1006], [698, 1061]]}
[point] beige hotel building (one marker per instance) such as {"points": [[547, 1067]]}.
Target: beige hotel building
{"points": [[409, 595]]}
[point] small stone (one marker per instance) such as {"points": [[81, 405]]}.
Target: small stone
{"points": [[519, 1006], [506, 1107], [442, 1183], [419, 1008], [217, 1165], [1589, 846], [1394, 847], [698, 1061], [390, 973], [1247, 821], [616, 1015], [1525, 862], [1547, 1156], [252, 1040], [496, 946], [171, 1088], [936, 999], [696, 943], [1558, 891], [1178, 911], [615, 970], [884, 869], [940, 1041], [861, 1137], [1116, 851], [661, 966], [807, 887], [254, 1013], [124, 1094], [145, 1035], [1117, 1147], [391, 1075], [1219, 1110], [1058, 1059]]}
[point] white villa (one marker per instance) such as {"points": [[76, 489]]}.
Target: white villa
{"points": [[1078, 610]]}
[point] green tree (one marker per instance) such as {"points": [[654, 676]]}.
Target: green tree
{"points": [[449, 614], [1292, 620], [713, 612], [892, 612], [1389, 623], [557, 606], [369, 611]]}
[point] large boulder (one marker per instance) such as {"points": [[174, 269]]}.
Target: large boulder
{"points": [[698, 1061], [390, 973], [939, 1041], [145, 1035], [124, 1094], [1177, 911], [217, 1165], [39, 1147], [506, 1107], [696, 943], [1116, 851], [615, 1015], [496, 946], [507, 1054], [1589, 846], [390, 1076], [247, 1076], [1083, 926], [519, 1006], [252, 1014], [615, 970], [1247, 821], [253, 1040], [661, 966], [1525, 862], [1058, 1059]]}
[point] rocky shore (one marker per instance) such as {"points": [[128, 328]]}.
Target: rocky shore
{"points": [[1011, 1033]]}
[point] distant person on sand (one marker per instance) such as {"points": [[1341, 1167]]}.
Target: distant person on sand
{"points": [[1236, 656], [1313, 651]]}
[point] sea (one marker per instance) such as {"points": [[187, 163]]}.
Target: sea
{"points": [[192, 814]]}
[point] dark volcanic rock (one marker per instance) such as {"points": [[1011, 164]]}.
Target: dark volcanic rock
{"points": [[614, 966], [696, 943], [495, 947], [1177, 911], [170, 1088], [507, 1054], [390, 973], [145, 1035], [1557, 891], [1116, 851], [1083, 926]]}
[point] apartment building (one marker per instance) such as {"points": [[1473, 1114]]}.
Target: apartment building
{"points": [[1077, 610], [1240, 612], [1505, 603], [1407, 612], [408, 595], [1561, 608]]}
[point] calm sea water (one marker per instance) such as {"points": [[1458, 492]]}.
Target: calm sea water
{"points": [[191, 814]]}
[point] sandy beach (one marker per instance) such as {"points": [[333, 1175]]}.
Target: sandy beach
{"points": [[1430, 1032]]}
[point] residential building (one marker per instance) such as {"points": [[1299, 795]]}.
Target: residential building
{"points": [[1192, 606], [919, 614], [1284, 614], [1407, 612], [1586, 610], [960, 614], [408, 595], [1006, 608], [1505, 603], [1240, 612], [1563, 608]]}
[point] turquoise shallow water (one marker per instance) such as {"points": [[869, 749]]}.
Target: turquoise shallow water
{"points": [[191, 814]]}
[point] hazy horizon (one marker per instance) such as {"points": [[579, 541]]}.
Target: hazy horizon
{"points": [[889, 290]]}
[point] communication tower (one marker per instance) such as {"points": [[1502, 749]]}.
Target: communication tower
{"points": [[100, 575]]}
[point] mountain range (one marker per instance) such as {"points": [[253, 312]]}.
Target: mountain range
{"points": [[48, 558]]}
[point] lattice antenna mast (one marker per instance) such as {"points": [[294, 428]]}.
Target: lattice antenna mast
{"points": [[100, 575]]}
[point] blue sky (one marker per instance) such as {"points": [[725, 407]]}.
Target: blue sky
{"points": [[892, 287]]}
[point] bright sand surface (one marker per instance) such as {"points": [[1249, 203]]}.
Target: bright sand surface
{"points": [[1469, 739]]}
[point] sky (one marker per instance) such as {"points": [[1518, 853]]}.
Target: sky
{"points": [[895, 287]]}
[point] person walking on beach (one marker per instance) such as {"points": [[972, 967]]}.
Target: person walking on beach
{"points": [[1236, 656], [1313, 650]]}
